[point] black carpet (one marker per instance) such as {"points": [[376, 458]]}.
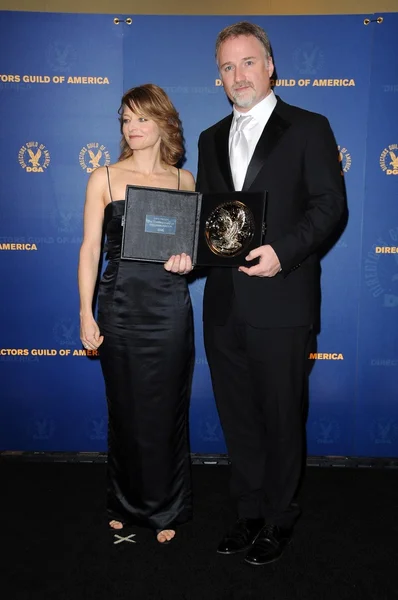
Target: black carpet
{"points": [[56, 544]]}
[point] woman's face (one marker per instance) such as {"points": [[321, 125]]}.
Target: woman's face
{"points": [[139, 132]]}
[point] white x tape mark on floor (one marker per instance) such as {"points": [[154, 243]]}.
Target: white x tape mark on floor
{"points": [[121, 539]]}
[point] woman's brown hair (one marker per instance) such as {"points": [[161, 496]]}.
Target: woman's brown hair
{"points": [[152, 102]]}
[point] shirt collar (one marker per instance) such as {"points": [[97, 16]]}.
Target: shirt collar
{"points": [[261, 112]]}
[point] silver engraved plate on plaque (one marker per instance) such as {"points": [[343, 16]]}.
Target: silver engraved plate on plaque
{"points": [[229, 228]]}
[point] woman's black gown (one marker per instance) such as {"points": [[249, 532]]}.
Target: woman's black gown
{"points": [[145, 316]]}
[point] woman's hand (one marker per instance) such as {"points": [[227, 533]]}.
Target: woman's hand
{"points": [[90, 333], [179, 263]]}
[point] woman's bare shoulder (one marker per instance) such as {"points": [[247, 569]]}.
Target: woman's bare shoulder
{"points": [[98, 176], [97, 186], [187, 180]]}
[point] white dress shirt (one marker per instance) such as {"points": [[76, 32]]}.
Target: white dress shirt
{"points": [[260, 114]]}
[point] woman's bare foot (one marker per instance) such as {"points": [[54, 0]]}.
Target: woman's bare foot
{"points": [[115, 524], [166, 535]]}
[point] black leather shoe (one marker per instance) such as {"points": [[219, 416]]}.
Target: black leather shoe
{"points": [[241, 536], [269, 545]]}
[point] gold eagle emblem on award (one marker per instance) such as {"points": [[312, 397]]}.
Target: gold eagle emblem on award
{"points": [[229, 228]]}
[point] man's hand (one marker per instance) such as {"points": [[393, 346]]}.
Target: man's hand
{"points": [[179, 263], [268, 265]]}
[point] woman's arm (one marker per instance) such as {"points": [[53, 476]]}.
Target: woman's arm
{"points": [[89, 257]]}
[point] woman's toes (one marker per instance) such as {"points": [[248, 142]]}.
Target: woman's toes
{"points": [[166, 535], [116, 524], [161, 537]]}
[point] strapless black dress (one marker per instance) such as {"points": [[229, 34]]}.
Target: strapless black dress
{"points": [[145, 316]]}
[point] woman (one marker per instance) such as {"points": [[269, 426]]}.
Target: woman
{"points": [[144, 329]]}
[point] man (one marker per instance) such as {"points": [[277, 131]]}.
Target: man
{"points": [[258, 318]]}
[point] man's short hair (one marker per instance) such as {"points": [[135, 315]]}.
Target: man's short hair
{"points": [[244, 28]]}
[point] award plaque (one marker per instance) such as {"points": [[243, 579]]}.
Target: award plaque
{"points": [[229, 228], [214, 229]]}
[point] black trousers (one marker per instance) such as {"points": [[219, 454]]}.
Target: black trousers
{"points": [[259, 379]]}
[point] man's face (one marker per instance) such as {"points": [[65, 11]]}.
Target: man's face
{"points": [[245, 71]]}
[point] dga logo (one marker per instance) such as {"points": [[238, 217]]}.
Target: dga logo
{"points": [[93, 156], [327, 431], [384, 431], [308, 59], [34, 157], [96, 428], [344, 159], [210, 429], [67, 221], [389, 160], [381, 269], [60, 56], [41, 428], [66, 332]]}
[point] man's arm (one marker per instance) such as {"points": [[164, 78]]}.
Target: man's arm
{"points": [[326, 199]]}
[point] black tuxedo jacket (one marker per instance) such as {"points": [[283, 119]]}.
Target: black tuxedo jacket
{"points": [[296, 161]]}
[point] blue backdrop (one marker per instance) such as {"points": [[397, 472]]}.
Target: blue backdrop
{"points": [[62, 79]]}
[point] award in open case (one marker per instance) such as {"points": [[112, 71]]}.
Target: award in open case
{"points": [[214, 229]]}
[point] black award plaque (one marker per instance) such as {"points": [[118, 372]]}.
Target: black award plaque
{"points": [[214, 229]]}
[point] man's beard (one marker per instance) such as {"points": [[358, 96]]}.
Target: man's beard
{"points": [[243, 102]]}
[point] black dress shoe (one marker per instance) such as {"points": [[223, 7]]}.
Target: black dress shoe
{"points": [[269, 545], [241, 536]]}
